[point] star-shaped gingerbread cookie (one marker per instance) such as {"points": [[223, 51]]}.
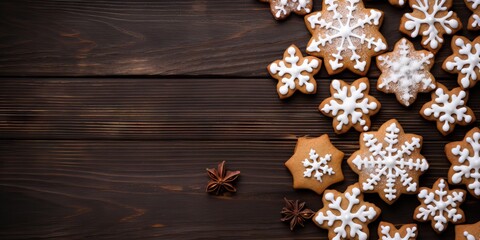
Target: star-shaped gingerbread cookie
{"points": [[406, 72], [295, 72], [467, 231], [281, 9], [440, 205], [346, 35], [474, 21], [465, 61], [387, 231], [315, 164]]}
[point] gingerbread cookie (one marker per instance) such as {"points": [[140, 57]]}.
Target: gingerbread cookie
{"points": [[389, 161], [398, 3], [448, 108], [467, 231], [465, 61], [346, 215], [440, 205], [346, 35], [281, 9], [387, 231], [431, 19], [406, 72], [315, 164], [350, 105], [465, 158], [295, 72], [474, 21]]}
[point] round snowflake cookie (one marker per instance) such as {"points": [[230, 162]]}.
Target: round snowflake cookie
{"points": [[440, 205], [281, 9], [474, 21], [350, 105], [346, 215], [465, 158], [346, 35], [465, 61], [467, 231], [389, 161], [387, 231]]}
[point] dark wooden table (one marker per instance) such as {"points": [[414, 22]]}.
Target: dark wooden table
{"points": [[110, 111]]}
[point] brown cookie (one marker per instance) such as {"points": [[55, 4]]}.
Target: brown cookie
{"points": [[465, 61], [346, 215], [346, 35], [440, 205], [387, 231], [465, 158], [431, 19], [448, 108], [295, 72], [315, 164], [350, 105], [281, 9], [406, 72], [467, 231], [474, 21], [389, 161]]}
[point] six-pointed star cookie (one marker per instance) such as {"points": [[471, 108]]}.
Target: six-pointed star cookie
{"points": [[281, 9], [315, 164], [440, 205], [474, 21], [406, 72], [350, 105], [465, 158], [465, 61], [431, 19], [295, 72], [389, 161], [346, 215], [448, 108], [346, 35], [467, 231], [387, 231]]}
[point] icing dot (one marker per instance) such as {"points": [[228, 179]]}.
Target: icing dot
{"points": [[365, 128]]}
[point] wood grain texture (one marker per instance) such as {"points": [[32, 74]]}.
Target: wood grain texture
{"points": [[184, 37]]}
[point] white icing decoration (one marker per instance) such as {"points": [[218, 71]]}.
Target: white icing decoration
{"points": [[282, 5], [449, 108], [346, 32], [295, 71], [468, 236], [390, 162], [476, 21], [346, 216], [319, 167], [438, 203], [405, 74], [475, 4], [472, 170], [432, 20], [410, 233], [468, 63], [348, 100]]}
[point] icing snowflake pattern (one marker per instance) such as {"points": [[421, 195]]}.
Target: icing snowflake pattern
{"points": [[350, 105], [345, 33], [393, 163], [431, 19], [465, 61], [319, 167], [387, 231], [474, 21], [466, 161], [406, 72], [281, 9], [333, 215], [440, 205]]}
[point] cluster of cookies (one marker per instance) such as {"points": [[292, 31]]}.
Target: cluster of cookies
{"points": [[345, 35]]}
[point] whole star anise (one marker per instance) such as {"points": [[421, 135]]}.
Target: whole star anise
{"points": [[221, 180], [295, 212]]}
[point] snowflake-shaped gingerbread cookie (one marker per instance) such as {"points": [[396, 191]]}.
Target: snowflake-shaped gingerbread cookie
{"points": [[389, 161], [350, 105], [281, 9], [465, 61], [467, 231], [346, 215], [474, 21], [315, 164], [387, 231], [465, 158], [448, 108], [345, 34], [406, 72], [295, 72], [440, 205], [431, 19]]}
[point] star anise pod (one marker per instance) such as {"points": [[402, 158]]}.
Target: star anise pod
{"points": [[295, 212], [221, 180]]}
